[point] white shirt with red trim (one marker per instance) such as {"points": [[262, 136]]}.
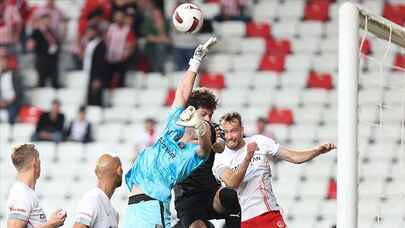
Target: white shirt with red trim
{"points": [[23, 204], [255, 193], [96, 211]]}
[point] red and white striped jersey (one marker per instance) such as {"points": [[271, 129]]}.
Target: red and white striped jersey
{"points": [[117, 39], [8, 24], [255, 193]]}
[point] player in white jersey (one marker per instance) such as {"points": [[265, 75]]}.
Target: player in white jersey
{"points": [[95, 209], [245, 166], [23, 208]]}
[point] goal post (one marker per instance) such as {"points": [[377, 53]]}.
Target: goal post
{"points": [[352, 18], [347, 116]]}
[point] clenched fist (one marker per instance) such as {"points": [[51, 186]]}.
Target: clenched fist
{"points": [[251, 148]]}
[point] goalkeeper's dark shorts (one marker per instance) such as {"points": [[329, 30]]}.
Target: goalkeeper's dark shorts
{"points": [[198, 206]]}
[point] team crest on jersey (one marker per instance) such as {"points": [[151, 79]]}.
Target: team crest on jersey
{"points": [[280, 224]]}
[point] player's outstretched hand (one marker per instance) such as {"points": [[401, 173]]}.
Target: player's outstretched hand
{"points": [[57, 218], [189, 118], [200, 52], [326, 147]]}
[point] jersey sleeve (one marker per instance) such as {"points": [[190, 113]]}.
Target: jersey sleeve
{"points": [[174, 115], [19, 206], [267, 145], [86, 212], [220, 165]]}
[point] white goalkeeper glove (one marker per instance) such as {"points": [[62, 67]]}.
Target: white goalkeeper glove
{"points": [[199, 53], [190, 118]]}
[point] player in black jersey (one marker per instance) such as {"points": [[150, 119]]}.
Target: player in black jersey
{"points": [[200, 198]]}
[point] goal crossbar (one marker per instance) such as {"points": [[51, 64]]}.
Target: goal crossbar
{"points": [[381, 27]]}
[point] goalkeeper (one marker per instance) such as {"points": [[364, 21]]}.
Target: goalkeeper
{"points": [[171, 158]]}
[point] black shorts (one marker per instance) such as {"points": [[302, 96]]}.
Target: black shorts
{"points": [[196, 207]]}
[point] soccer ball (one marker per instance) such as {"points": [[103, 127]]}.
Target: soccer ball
{"points": [[188, 18]]}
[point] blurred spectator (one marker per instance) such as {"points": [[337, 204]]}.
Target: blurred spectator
{"points": [[58, 25], [147, 136], [155, 30], [160, 4], [46, 48], [261, 128], [50, 125], [10, 88], [25, 13], [121, 43], [183, 49], [10, 26], [133, 15], [80, 129], [183, 46], [95, 65], [122, 5], [232, 10], [102, 8], [95, 18]]}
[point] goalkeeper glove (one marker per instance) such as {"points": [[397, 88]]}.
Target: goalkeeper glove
{"points": [[190, 118], [199, 53]]}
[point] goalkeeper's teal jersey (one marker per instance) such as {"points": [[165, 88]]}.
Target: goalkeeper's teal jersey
{"points": [[159, 167]]}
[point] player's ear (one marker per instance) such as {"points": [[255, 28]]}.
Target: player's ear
{"points": [[35, 163], [119, 170]]}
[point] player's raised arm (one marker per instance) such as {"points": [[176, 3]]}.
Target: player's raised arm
{"points": [[185, 87], [301, 156]]}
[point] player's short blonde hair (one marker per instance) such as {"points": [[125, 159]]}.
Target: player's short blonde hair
{"points": [[232, 117], [22, 155]]}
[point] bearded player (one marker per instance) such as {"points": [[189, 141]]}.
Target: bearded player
{"points": [[245, 166]]}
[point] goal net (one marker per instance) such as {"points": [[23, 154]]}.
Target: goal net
{"points": [[371, 120]]}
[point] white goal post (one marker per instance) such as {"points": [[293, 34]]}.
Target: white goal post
{"points": [[352, 18]]}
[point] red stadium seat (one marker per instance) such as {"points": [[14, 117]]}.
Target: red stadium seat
{"points": [[272, 63], [400, 60], [332, 189], [394, 12], [29, 114], [171, 93], [366, 48], [213, 80], [280, 116], [322, 81], [256, 29], [278, 46], [317, 10]]}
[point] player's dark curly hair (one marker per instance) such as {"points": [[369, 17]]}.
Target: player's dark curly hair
{"points": [[203, 98]]}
